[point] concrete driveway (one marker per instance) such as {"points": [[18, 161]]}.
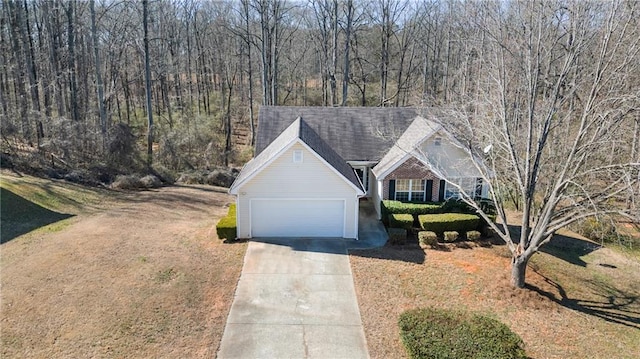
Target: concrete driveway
{"points": [[295, 299]]}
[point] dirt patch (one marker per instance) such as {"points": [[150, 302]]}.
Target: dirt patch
{"points": [[145, 277], [574, 307]]}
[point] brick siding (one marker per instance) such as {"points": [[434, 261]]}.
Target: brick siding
{"points": [[412, 169]]}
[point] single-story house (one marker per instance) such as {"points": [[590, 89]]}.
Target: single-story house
{"points": [[312, 166]]}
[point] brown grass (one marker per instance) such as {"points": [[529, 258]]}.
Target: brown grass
{"points": [[146, 277], [582, 301]]}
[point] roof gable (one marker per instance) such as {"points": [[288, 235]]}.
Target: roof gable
{"points": [[354, 133], [297, 132], [418, 131]]}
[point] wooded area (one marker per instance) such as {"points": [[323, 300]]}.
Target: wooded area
{"points": [[73, 77]]}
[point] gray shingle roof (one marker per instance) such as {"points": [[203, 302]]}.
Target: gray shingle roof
{"points": [[355, 133], [297, 129]]}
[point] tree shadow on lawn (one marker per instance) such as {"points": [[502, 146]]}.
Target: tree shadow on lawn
{"points": [[567, 248], [408, 252], [20, 216], [616, 306]]}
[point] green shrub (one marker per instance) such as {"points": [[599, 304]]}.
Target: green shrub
{"points": [[440, 223], [485, 229], [401, 221], [473, 235], [396, 207], [597, 230], [451, 236], [397, 235], [427, 238], [453, 205], [438, 333], [226, 228], [232, 210]]}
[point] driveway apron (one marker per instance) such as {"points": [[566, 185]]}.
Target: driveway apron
{"points": [[295, 299]]}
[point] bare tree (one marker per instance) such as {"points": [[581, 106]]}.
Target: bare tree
{"points": [[147, 80], [98, 74], [349, 14], [549, 130]]}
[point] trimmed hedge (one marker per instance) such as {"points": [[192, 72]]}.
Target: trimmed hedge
{"points": [[389, 207], [401, 221], [427, 238], [226, 227], [232, 210], [473, 235], [441, 223], [397, 235], [397, 207], [439, 333], [451, 236]]}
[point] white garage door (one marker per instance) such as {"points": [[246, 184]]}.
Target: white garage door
{"points": [[297, 218]]}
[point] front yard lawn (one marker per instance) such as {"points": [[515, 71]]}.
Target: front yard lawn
{"points": [[137, 275], [582, 300]]}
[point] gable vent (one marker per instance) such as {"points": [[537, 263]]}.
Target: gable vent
{"points": [[297, 156]]}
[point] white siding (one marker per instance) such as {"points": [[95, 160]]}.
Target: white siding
{"points": [[283, 178], [376, 194], [448, 158]]}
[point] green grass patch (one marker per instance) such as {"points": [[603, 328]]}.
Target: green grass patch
{"points": [[57, 195], [439, 333], [19, 215]]}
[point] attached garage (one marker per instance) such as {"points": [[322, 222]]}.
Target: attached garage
{"points": [[297, 187], [297, 218]]}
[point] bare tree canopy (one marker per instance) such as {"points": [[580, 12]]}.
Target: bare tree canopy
{"points": [[555, 111]]}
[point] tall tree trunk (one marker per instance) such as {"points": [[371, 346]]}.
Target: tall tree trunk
{"points": [[347, 43], [53, 30], [73, 84], [264, 51], [18, 71], [98, 73], [385, 36], [274, 53], [245, 6], [334, 53], [29, 53], [46, 81], [519, 271], [147, 77]]}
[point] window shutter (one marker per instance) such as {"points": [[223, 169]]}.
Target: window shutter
{"points": [[428, 195], [479, 187], [441, 191], [392, 189]]}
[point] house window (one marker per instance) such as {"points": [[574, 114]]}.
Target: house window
{"points": [[437, 141], [297, 156], [478, 187], [410, 190], [468, 184]]}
